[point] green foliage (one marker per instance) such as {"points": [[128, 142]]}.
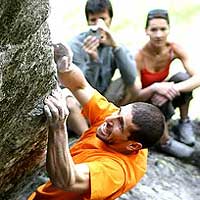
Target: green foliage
{"points": [[186, 14]]}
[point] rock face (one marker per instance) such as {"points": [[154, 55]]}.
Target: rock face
{"points": [[26, 77]]}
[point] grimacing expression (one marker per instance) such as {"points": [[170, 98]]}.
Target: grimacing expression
{"points": [[158, 30], [117, 128]]}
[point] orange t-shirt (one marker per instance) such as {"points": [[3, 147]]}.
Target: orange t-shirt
{"points": [[111, 173]]}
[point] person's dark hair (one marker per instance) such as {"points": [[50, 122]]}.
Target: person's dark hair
{"points": [[157, 13], [98, 6], [150, 122]]}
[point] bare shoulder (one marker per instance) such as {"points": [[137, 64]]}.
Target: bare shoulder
{"points": [[175, 46], [179, 50], [139, 57]]}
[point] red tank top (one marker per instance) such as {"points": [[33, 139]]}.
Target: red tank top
{"points": [[148, 78]]}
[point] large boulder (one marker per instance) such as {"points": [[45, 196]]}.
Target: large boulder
{"points": [[26, 77]]}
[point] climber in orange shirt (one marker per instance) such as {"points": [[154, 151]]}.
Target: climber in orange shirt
{"points": [[111, 156]]}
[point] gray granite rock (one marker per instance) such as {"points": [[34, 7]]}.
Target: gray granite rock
{"points": [[26, 77]]}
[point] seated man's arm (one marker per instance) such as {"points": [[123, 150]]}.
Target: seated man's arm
{"points": [[63, 172], [126, 64], [70, 75]]}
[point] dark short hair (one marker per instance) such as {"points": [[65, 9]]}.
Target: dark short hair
{"points": [[157, 13], [98, 6], [150, 124]]}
